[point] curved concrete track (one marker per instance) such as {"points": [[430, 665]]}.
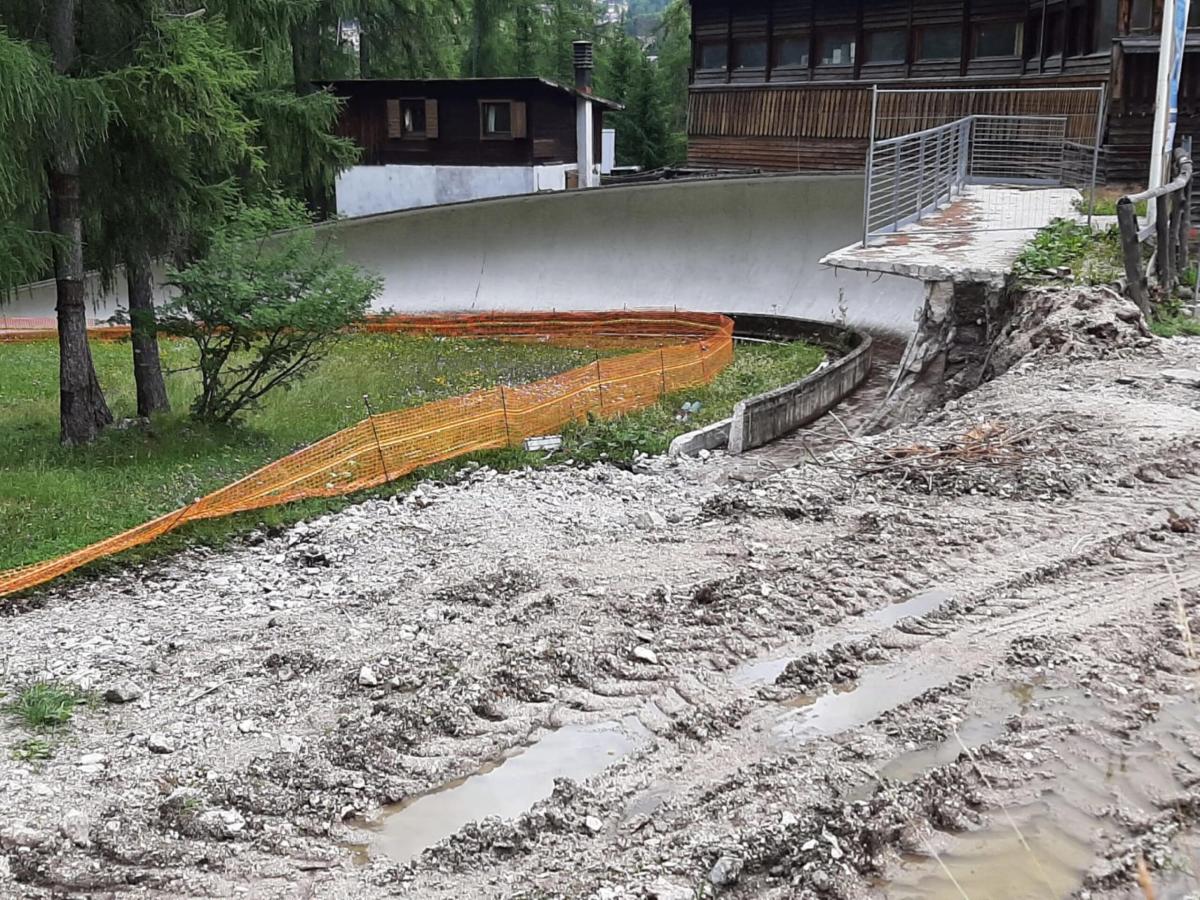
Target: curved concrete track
{"points": [[741, 245]]}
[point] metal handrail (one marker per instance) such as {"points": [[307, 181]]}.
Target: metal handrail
{"points": [[957, 123], [912, 175]]}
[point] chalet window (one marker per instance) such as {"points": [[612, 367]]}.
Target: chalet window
{"points": [[712, 55], [412, 119], [501, 119], [1142, 16], [497, 119], [792, 50], [940, 42], [1104, 24], [1054, 32], [750, 53], [996, 39], [836, 47], [886, 46], [1079, 28]]}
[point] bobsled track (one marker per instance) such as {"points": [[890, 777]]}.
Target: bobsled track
{"points": [[745, 244]]}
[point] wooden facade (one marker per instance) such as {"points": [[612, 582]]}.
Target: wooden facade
{"points": [[785, 84], [462, 122]]}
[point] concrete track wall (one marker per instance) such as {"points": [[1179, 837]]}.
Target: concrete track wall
{"points": [[739, 245]]}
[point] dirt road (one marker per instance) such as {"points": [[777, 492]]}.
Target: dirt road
{"points": [[963, 663]]}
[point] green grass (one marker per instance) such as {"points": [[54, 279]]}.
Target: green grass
{"points": [[1170, 320], [32, 750], [45, 705], [1091, 257], [54, 499], [755, 368], [1107, 206]]}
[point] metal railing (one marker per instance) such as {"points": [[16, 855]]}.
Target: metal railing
{"points": [[910, 176], [1029, 137], [914, 175]]}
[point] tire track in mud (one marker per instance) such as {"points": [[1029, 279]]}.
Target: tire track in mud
{"points": [[995, 590]]}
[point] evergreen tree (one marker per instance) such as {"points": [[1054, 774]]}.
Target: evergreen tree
{"points": [[181, 129], [674, 44], [67, 114]]}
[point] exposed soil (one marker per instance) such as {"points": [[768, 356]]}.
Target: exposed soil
{"points": [[860, 676]]}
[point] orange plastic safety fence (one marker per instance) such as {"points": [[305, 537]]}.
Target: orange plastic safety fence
{"points": [[684, 349]]}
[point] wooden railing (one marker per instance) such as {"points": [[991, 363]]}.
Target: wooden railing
{"points": [[1171, 228]]}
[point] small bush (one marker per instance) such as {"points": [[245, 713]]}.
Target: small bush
{"points": [[45, 705], [264, 305]]}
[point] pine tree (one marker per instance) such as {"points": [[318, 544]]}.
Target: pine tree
{"points": [[67, 113], [673, 40], [179, 128]]}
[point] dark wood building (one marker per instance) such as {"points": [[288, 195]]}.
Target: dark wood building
{"points": [[463, 121], [430, 142], [785, 84]]}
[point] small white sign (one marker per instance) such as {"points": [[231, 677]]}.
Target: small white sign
{"points": [[549, 442]]}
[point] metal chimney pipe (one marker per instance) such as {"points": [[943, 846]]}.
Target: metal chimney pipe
{"points": [[581, 53]]}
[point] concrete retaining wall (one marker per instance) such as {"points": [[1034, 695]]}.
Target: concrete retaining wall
{"points": [[759, 420]]}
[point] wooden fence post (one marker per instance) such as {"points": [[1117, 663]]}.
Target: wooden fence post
{"points": [[1162, 234], [1132, 254]]}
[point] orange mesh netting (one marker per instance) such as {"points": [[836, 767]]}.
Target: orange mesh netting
{"points": [[680, 350]]}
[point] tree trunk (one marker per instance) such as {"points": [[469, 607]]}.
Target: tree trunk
{"points": [[147, 368], [82, 410], [364, 51]]}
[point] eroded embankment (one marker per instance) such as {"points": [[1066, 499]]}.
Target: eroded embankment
{"points": [[1010, 576]]}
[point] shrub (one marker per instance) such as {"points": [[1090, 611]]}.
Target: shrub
{"points": [[45, 705], [264, 305]]}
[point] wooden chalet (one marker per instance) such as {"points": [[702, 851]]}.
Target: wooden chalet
{"points": [[785, 84], [463, 121]]}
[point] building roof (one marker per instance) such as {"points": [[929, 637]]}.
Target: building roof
{"points": [[416, 85]]}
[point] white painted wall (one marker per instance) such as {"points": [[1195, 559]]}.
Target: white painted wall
{"points": [[748, 245], [368, 190], [608, 150], [585, 144]]}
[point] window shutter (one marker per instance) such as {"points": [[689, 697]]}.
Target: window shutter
{"points": [[395, 121], [431, 119], [517, 111]]}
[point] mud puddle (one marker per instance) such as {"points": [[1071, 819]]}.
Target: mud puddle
{"points": [[766, 669], [503, 789], [807, 718], [1078, 793], [995, 863]]}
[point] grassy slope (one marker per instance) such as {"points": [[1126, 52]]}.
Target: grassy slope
{"points": [[1095, 258], [53, 499]]}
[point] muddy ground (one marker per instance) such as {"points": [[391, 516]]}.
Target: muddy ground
{"points": [[951, 660]]}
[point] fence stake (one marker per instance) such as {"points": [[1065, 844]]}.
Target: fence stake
{"points": [[599, 386], [870, 165], [662, 369], [1096, 152], [507, 431], [375, 431]]}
